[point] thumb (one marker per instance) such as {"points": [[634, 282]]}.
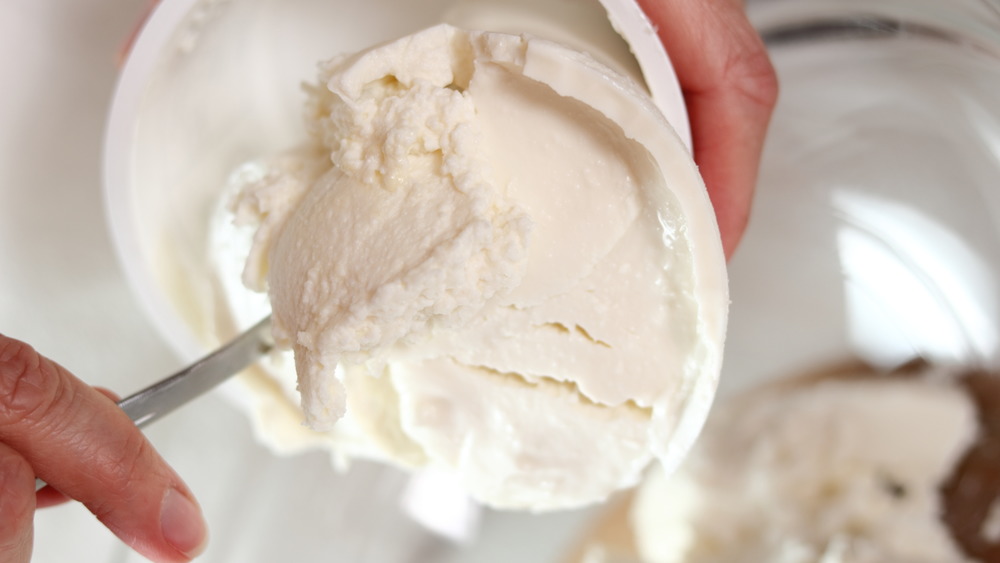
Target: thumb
{"points": [[82, 444]]}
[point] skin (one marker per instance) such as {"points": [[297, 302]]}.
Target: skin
{"points": [[73, 436], [54, 426], [730, 89]]}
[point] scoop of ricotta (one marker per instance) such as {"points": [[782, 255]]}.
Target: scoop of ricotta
{"points": [[493, 257]]}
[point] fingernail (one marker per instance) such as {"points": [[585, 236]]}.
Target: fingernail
{"points": [[182, 524]]}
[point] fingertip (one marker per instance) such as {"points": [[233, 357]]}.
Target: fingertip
{"points": [[182, 523], [734, 227], [176, 533]]}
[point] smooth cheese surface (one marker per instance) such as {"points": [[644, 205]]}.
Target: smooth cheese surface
{"points": [[492, 257]]}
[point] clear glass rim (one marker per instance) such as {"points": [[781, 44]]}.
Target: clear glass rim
{"points": [[973, 24]]}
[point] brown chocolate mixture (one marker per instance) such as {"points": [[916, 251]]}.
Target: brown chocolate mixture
{"points": [[972, 489]]}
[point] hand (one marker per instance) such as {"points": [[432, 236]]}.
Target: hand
{"points": [[730, 89], [54, 426]]}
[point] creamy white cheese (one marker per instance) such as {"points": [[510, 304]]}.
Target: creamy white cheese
{"points": [[840, 471], [493, 257]]}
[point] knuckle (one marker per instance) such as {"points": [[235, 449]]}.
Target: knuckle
{"points": [[130, 463], [753, 75], [28, 383], [118, 472], [125, 462]]}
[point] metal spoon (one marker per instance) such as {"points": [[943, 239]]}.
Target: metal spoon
{"points": [[163, 397], [168, 394]]}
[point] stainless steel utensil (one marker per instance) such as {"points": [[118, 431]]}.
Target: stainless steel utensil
{"points": [[168, 394], [195, 380]]}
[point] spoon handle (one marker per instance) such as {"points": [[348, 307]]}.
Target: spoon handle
{"points": [[195, 380], [163, 397]]}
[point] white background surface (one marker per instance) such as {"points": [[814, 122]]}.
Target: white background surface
{"points": [[60, 287], [61, 290]]}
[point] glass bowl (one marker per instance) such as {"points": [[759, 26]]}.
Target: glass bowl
{"points": [[874, 242], [874, 233]]}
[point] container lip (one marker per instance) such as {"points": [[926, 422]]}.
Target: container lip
{"points": [[119, 201], [628, 19]]}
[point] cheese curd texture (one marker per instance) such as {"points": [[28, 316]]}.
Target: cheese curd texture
{"points": [[839, 471], [493, 257]]}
